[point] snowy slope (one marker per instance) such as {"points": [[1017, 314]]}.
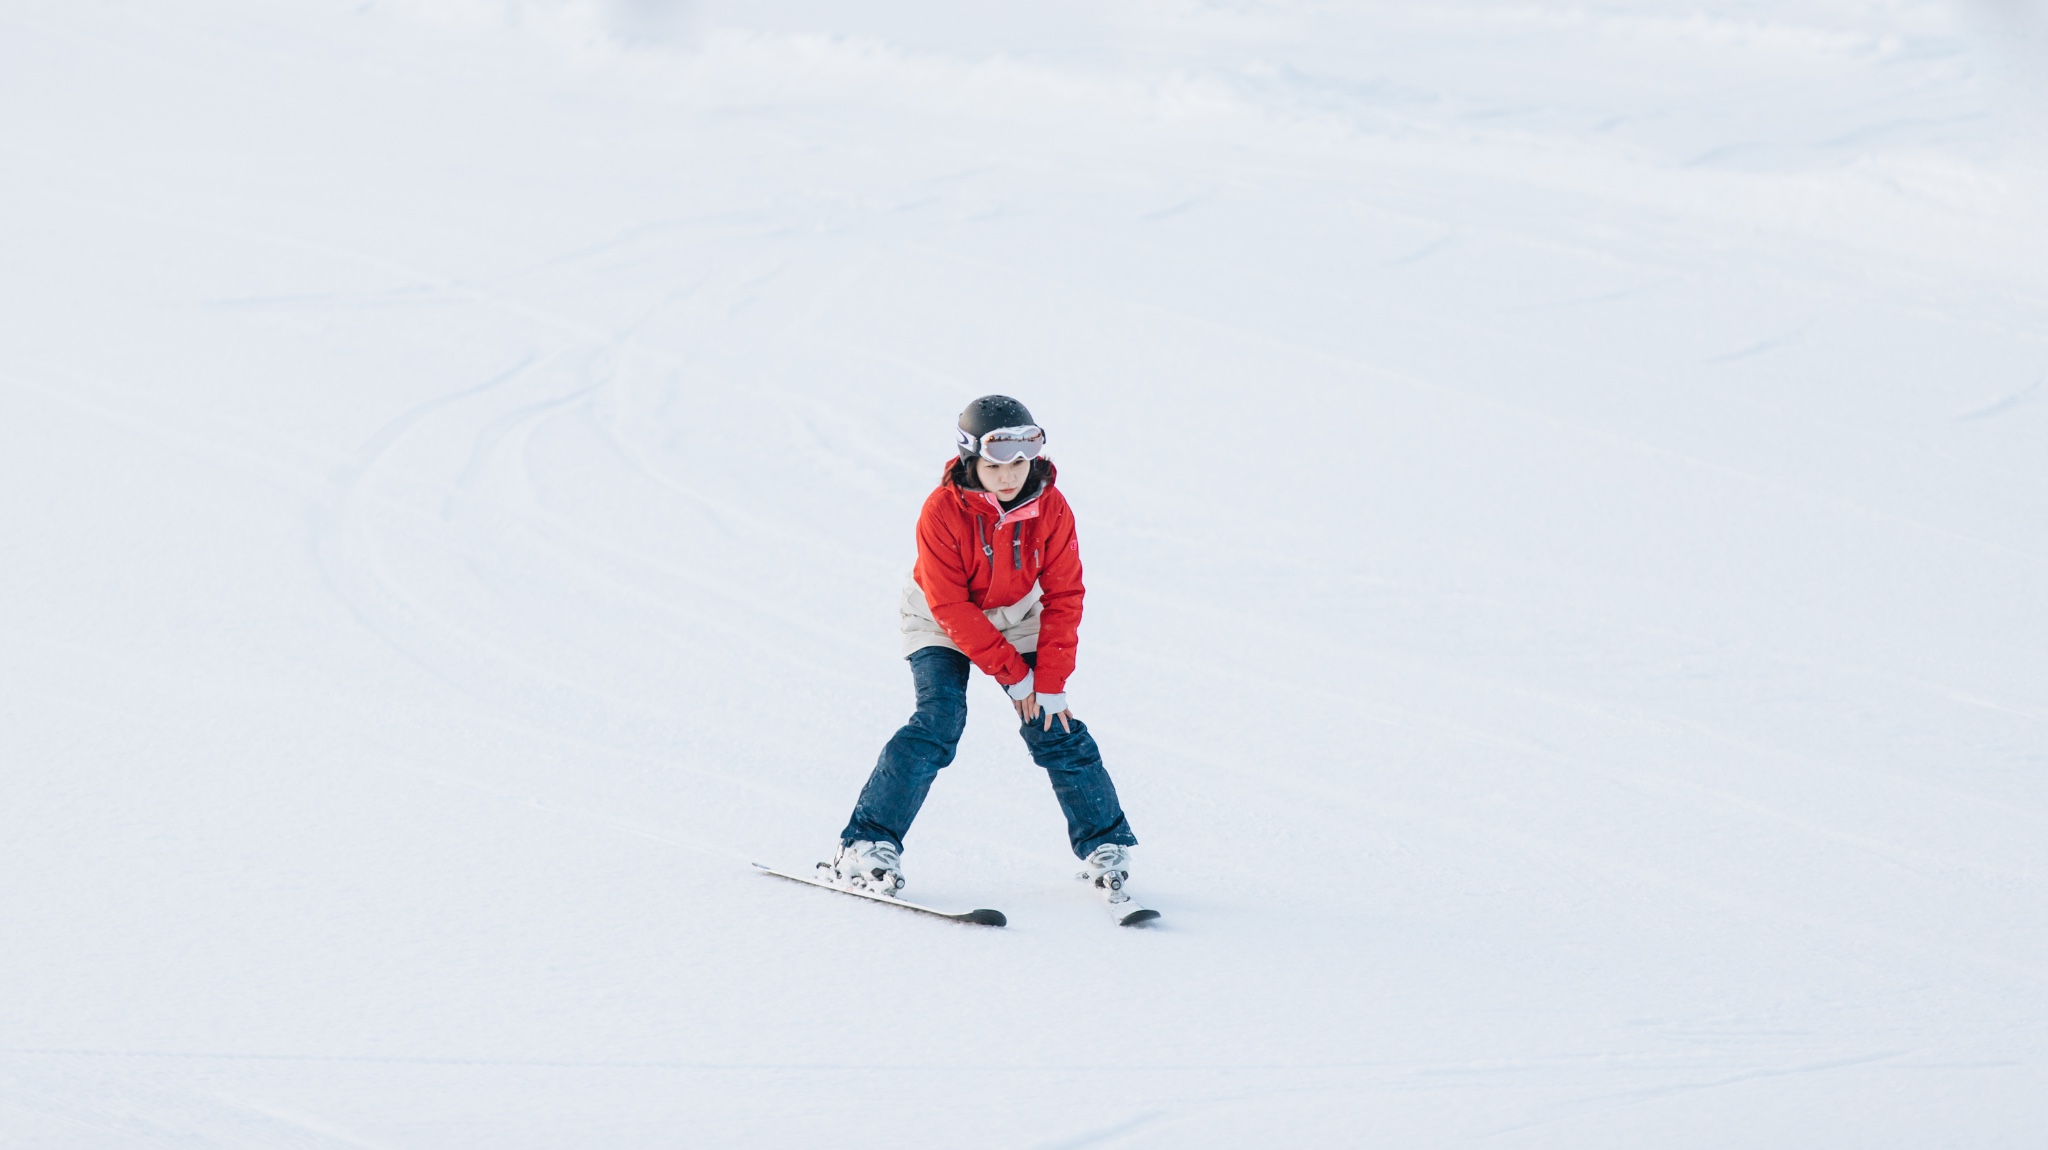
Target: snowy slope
{"points": [[1564, 500]]}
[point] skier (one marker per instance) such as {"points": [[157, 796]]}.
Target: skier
{"points": [[997, 586]]}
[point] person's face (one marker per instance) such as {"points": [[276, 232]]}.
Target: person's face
{"points": [[1004, 479]]}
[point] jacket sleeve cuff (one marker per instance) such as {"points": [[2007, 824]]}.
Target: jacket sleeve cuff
{"points": [[1053, 704], [1021, 689]]}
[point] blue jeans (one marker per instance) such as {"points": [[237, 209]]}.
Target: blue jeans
{"points": [[903, 775]]}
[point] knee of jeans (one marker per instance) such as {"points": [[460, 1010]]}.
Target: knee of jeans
{"points": [[944, 717]]}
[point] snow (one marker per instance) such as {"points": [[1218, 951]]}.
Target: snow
{"points": [[1563, 493]]}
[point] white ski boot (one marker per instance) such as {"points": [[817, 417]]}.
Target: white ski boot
{"points": [[873, 868], [1109, 868], [1109, 865]]}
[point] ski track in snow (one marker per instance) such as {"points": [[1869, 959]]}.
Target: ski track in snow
{"points": [[1565, 522]]}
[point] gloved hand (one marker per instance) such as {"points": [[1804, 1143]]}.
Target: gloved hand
{"points": [[1032, 707]]}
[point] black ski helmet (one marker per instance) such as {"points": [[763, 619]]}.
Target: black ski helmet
{"points": [[987, 414]]}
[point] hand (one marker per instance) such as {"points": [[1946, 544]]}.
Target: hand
{"points": [[1029, 710]]}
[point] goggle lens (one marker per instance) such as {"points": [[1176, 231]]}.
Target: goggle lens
{"points": [[1009, 444]]}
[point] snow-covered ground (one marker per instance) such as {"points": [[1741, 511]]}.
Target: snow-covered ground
{"points": [[1564, 496]]}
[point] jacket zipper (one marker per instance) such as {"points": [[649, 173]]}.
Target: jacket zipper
{"points": [[988, 550], [1003, 516]]}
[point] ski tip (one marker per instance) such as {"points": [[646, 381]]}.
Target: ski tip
{"points": [[1138, 918], [984, 918]]}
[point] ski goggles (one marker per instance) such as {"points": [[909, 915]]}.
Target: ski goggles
{"points": [[1006, 444]]}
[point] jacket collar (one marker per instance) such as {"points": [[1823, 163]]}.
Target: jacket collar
{"points": [[985, 504]]}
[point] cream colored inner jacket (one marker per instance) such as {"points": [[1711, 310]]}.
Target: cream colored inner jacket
{"points": [[1018, 622]]}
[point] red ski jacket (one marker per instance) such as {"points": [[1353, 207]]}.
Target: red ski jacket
{"points": [[972, 556]]}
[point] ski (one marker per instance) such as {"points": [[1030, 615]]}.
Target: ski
{"points": [[975, 917], [1129, 913]]}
